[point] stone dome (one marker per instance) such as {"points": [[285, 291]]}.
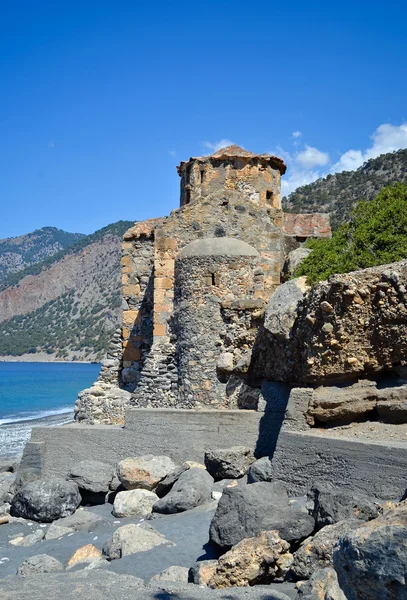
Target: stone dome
{"points": [[217, 246]]}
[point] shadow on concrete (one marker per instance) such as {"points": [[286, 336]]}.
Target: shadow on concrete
{"points": [[274, 399]]}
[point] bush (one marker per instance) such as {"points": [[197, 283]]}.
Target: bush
{"points": [[375, 235]]}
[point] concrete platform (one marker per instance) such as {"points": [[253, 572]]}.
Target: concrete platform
{"points": [[298, 458]]}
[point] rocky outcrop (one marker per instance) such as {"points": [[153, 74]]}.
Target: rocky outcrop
{"points": [[351, 326], [323, 585]]}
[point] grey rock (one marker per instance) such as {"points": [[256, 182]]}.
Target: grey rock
{"points": [[192, 489], [56, 531], [40, 563], [133, 502], [371, 560], [23, 477], [229, 463], [131, 539], [165, 485], [332, 505], [294, 260], [282, 308], [323, 585], [173, 573], [46, 500], [244, 511], [81, 520], [33, 538], [260, 470], [316, 553], [92, 475]]}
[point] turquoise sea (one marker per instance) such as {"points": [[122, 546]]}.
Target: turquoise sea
{"points": [[38, 394]]}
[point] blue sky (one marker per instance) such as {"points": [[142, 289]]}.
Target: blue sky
{"points": [[101, 100]]}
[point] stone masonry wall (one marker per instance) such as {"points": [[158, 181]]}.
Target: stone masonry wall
{"points": [[210, 340]]}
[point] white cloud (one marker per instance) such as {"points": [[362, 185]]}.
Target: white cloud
{"points": [[303, 166], [296, 134], [214, 146], [172, 153], [311, 157]]}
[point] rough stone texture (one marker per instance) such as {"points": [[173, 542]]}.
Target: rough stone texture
{"points": [[166, 484], [306, 225], [260, 470], [332, 505], [144, 472], [281, 311], [371, 561], [246, 510], [57, 531], [252, 561], [173, 573], [130, 539], [102, 403], [133, 502], [323, 585], [351, 326], [316, 552], [192, 489], [229, 463], [86, 553], [202, 572], [46, 500], [81, 520], [92, 475], [40, 563]]}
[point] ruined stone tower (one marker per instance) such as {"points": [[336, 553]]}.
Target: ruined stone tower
{"points": [[195, 284]]}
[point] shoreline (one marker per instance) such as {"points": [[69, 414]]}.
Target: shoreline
{"points": [[35, 358]]}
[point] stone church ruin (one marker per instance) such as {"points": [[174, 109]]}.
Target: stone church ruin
{"points": [[195, 286]]}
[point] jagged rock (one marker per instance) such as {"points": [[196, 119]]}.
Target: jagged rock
{"points": [[40, 563], [22, 478], [371, 560], [144, 472], [86, 553], [316, 552], [282, 308], [246, 510], [133, 502], [92, 475], [173, 573], [332, 505], [344, 404], [46, 500], [202, 572], [323, 585], [241, 395], [229, 463], [225, 362], [165, 485], [294, 260], [130, 539], [252, 561], [192, 489], [260, 470]]}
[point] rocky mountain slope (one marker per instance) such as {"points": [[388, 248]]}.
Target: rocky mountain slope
{"points": [[67, 305], [25, 250], [337, 193]]}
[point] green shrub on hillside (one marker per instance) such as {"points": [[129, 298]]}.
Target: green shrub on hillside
{"points": [[375, 235]]}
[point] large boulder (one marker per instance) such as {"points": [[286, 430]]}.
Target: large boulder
{"points": [[144, 472], [295, 259], [246, 510], [46, 500], [131, 539], [371, 561], [252, 561], [40, 563], [192, 489], [323, 585], [331, 505], [347, 328], [229, 463], [133, 502], [316, 552], [92, 475], [166, 484], [260, 470]]}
